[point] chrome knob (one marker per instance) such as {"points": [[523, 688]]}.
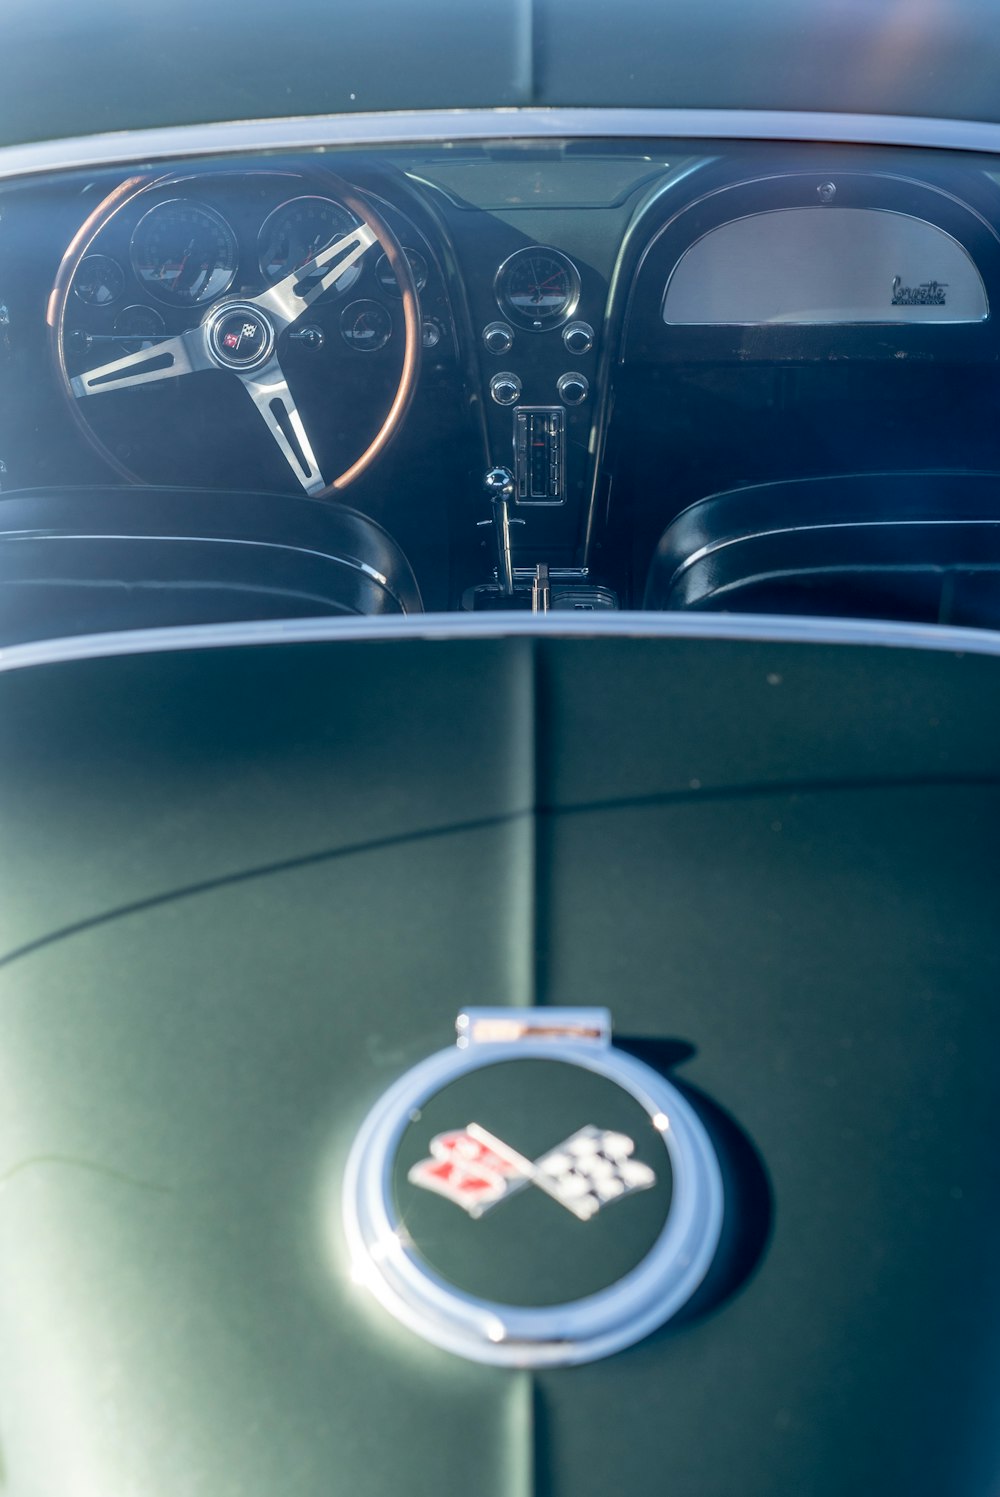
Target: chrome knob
{"points": [[578, 337], [498, 337], [499, 483], [505, 388], [573, 388], [309, 336]]}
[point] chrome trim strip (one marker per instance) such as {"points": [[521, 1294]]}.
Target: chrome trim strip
{"points": [[429, 126], [775, 629], [712, 548], [351, 562]]}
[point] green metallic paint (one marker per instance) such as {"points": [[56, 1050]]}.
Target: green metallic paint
{"points": [[246, 889]]}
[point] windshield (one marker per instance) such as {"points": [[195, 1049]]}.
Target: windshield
{"points": [[569, 375]]}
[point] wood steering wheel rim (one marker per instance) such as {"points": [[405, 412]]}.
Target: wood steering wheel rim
{"points": [[336, 187]]}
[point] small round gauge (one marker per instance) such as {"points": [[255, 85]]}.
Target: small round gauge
{"points": [[184, 253], [137, 327], [297, 231], [366, 325], [99, 280], [387, 276], [538, 288]]}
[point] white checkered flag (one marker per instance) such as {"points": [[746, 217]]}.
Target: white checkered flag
{"points": [[591, 1169]]}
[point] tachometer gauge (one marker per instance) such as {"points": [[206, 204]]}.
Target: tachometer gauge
{"points": [[99, 280], [365, 325], [295, 233], [184, 253], [386, 276], [538, 288]]}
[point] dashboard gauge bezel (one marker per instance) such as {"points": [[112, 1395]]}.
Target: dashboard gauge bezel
{"points": [[191, 205], [119, 270], [351, 275], [133, 342], [385, 336], [524, 319], [388, 282]]}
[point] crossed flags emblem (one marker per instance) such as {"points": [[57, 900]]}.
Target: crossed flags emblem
{"points": [[584, 1173], [233, 340]]}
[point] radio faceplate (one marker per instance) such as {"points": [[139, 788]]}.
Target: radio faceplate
{"points": [[539, 454]]}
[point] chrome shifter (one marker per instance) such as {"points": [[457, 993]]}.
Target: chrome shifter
{"points": [[499, 484]]}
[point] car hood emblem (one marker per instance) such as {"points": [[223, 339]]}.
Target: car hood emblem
{"points": [[583, 1173], [565, 1119]]}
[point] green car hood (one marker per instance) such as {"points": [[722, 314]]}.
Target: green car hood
{"points": [[246, 888]]}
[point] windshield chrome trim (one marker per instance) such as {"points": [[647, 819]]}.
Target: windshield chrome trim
{"points": [[766, 628], [433, 126]]}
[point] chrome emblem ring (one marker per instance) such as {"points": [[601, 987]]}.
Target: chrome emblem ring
{"points": [[592, 1170], [240, 337]]}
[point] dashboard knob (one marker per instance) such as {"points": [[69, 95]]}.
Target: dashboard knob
{"points": [[505, 388], [310, 336], [573, 388], [578, 337], [498, 337]]}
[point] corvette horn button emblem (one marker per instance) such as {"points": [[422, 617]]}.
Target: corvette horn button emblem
{"points": [[590, 1196], [240, 337]]}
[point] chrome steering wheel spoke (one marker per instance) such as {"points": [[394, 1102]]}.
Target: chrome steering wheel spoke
{"points": [[165, 360], [268, 389], [288, 298], [231, 334]]}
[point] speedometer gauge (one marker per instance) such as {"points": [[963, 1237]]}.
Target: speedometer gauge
{"points": [[297, 231], [184, 253], [538, 288]]}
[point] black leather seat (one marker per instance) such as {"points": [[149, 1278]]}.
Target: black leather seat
{"points": [[81, 561], [921, 546]]}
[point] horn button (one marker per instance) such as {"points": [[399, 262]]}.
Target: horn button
{"points": [[240, 337]]}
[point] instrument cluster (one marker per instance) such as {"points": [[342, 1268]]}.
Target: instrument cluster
{"points": [[183, 253]]}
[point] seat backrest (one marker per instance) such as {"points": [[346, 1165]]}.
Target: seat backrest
{"points": [[919, 546], [94, 560]]}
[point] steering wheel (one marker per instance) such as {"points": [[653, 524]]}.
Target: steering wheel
{"points": [[239, 334]]}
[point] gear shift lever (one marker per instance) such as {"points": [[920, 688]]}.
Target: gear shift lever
{"points": [[499, 484]]}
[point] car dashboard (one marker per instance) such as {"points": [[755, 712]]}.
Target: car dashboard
{"points": [[537, 365]]}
